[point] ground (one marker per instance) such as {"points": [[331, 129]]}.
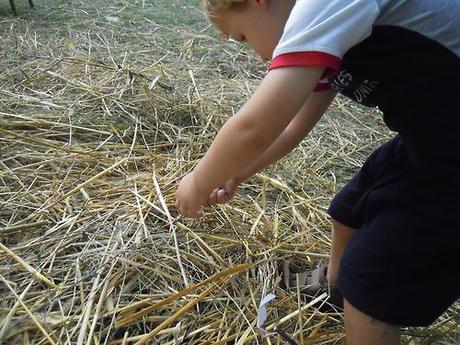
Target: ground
{"points": [[103, 107]]}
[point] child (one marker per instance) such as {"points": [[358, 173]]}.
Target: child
{"points": [[396, 238]]}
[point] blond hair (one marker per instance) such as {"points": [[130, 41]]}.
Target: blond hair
{"points": [[214, 8]]}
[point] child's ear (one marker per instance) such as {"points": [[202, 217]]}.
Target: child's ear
{"points": [[262, 4]]}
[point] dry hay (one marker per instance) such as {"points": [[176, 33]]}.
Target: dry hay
{"points": [[98, 122]]}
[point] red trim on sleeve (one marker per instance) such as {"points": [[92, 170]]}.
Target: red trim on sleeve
{"points": [[330, 62]]}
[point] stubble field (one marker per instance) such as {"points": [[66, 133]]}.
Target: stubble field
{"points": [[104, 106]]}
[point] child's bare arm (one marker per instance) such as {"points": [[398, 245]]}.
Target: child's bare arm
{"points": [[257, 125], [248, 134], [300, 126]]}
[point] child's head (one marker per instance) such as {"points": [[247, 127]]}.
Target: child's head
{"points": [[214, 8], [260, 23]]}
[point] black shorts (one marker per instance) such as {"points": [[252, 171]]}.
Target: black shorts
{"points": [[402, 266]]}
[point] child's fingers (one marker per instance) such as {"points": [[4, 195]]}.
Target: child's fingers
{"points": [[222, 196], [213, 197], [188, 213]]}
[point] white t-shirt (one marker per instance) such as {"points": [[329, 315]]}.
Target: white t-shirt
{"points": [[321, 32]]}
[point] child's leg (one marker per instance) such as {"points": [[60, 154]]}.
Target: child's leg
{"points": [[341, 234], [362, 329]]}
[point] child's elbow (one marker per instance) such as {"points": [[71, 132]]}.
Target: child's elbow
{"points": [[251, 135]]}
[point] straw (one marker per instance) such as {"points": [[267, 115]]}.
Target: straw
{"points": [[27, 267], [104, 107]]}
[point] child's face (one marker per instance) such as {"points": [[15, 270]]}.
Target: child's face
{"points": [[260, 24]]}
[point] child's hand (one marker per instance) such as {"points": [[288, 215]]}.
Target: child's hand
{"points": [[189, 200], [224, 194]]}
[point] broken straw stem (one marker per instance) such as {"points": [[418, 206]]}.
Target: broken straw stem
{"points": [[29, 268]]}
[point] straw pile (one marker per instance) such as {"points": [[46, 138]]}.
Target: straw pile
{"points": [[99, 118]]}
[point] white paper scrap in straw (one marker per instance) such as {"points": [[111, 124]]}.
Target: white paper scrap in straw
{"points": [[262, 317]]}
